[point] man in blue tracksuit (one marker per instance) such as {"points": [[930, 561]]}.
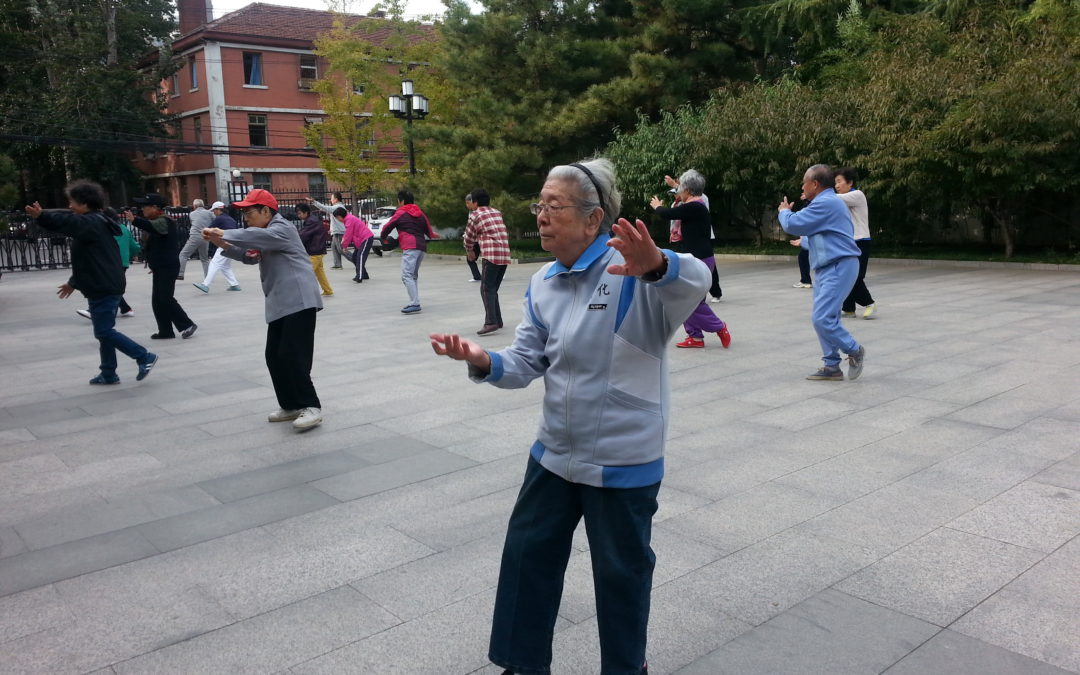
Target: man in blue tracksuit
{"points": [[596, 328], [826, 229]]}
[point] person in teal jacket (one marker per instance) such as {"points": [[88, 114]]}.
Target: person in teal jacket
{"points": [[827, 232]]}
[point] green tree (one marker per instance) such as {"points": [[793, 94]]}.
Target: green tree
{"points": [[367, 60], [75, 95]]}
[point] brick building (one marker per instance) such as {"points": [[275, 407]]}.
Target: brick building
{"points": [[244, 93]]}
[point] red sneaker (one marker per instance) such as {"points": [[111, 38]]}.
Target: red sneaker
{"points": [[725, 337], [691, 343]]}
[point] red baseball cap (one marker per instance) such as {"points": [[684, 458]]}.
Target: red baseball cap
{"points": [[258, 197]]}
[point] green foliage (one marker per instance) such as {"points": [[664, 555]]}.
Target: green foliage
{"points": [[367, 61], [73, 70], [9, 183]]}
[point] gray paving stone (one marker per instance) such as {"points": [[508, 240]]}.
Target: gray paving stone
{"points": [[216, 521], [31, 612], [828, 633], [889, 518], [746, 518], [940, 577], [1003, 412], [1034, 515], [279, 476], [89, 520], [379, 477], [389, 448], [462, 523], [10, 543], [734, 471], [765, 579], [17, 435], [1036, 614], [950, 653], [980, 473], [440, 579], [272, 641], [1065, 473], [453, 639], [48, 565]]}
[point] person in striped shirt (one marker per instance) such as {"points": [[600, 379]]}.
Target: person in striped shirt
{"points": [[486, 228]]}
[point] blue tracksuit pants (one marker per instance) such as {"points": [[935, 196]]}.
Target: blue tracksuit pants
{"points": [[832, 283]]}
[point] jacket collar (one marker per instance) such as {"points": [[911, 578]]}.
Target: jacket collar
{"points": [[594, 252]]}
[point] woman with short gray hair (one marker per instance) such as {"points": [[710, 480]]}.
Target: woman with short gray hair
{"points": [[595, 327], [696, 227]]}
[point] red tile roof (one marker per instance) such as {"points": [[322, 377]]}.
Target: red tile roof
{"points": [[260, 20]]}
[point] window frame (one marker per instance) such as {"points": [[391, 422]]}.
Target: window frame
{"points": [[253, 69], [196, 128], [193, 72], [253, 123], [267, 184]]}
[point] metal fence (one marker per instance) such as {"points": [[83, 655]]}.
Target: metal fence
{"points": [[24, 246]]}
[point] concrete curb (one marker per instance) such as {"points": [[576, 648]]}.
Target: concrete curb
{"points": [[947, 264]]}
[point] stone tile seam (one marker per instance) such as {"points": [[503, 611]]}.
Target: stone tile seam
{"points": [[236, 621]]}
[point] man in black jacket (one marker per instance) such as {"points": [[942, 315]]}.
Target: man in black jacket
{"points": [[96, 272], [163, 256]]}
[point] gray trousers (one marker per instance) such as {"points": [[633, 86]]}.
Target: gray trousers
{"points": [[192, 245], [410, 271], [335, 246]]}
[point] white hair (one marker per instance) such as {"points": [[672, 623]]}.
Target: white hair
{"points": [[603, 172], [198, 204]]}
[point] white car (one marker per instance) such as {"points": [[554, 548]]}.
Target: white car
{"points": [[376, 222]]}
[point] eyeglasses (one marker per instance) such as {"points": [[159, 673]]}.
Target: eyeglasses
{"points": [[539, 207]]}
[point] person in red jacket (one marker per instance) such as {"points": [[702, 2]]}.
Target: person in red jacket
{"points": [[414, 229]]}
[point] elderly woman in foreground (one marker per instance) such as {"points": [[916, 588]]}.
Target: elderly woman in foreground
{"points": [[596, 326]]}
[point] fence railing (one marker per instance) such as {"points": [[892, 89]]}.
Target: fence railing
{"points": [[24, 246]]}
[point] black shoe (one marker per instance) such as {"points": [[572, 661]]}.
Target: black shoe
{"points": [[104, 379], [159, 336], [189, 331], [145, 364]]}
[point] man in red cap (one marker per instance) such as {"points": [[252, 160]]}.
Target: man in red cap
{"points": [[292, 299]]}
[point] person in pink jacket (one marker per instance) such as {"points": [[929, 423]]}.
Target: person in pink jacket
{"points": [[359, 235]]}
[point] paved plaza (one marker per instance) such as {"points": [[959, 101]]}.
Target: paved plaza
{"points": [[921, 520]]}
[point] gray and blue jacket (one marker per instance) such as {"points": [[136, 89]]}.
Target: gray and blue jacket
{"points": [[600, 342], [826, 224]]}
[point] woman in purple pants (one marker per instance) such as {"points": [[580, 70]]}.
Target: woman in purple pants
{"points": [[696, 240]]}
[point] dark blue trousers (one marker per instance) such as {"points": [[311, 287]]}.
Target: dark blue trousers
{"points": [[618, 522], [103, 316]]}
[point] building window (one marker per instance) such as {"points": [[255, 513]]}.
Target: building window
{"points": [[364, 132], [261, 181], [309, 67], [174, 84], [358, 88], [193, 70], [204, 191], [196, 124], [253, 69], [316, 183], [257, 131]]}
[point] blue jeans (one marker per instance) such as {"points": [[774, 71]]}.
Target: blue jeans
{"points": [[832, 283], [103, 315], [618, 522], [410, 272]]}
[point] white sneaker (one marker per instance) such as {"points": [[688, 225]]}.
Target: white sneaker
{"points": [[799, 284], [284, 415], [130, 313], [83, 313], [714, 300], [309, 417], [868, 311]]}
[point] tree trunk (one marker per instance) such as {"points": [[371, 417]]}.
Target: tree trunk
{"points": [[1004, 220]]}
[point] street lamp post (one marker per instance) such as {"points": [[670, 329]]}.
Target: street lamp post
{"points": [[409, 106]]}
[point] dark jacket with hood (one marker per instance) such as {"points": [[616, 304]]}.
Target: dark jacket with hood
{"points": [[313, 234], [96, 269], [162, 243]]}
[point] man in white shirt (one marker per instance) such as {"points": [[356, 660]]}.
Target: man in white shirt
{"points": [[860, 220]]}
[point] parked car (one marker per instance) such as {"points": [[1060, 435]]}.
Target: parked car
{"points": [[376, 222]]}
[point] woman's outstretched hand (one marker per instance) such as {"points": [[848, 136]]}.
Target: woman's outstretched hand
{"points": [[640, 254], [453, 346]]}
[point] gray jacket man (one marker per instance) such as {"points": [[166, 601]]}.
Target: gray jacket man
{"points": [[200, 218]]}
